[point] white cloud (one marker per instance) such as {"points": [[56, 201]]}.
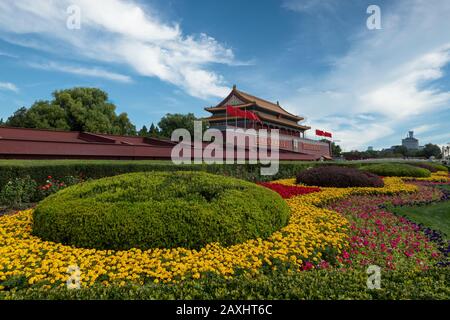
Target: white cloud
{"points": [[8, 86], [90, 72], [120, 32], [425, 128], [389, 74], [405, 93]]}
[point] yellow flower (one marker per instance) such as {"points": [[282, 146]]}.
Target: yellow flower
{"points": [[311, 230]]}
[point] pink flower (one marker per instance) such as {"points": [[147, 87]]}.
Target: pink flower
{"points": [[307, 266], [345, 255], [408, 254]]}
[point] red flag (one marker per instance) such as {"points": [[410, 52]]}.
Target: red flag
{"points": [[252, 116], [236, 112], [323, 133], [231, 111]]}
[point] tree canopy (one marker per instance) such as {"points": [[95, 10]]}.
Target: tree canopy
{"points": [[170, 122], [77, 109], [431, 150]]}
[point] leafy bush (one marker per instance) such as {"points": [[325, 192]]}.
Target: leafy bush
{"points": [[311, 285], [431, 166], [396, 170], [339, 177], [18, 193], [165, 210]]}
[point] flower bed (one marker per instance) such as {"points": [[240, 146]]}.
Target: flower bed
{"points": [[289, 191], [440, 176], [316, 237], [379, 237], [311, 232]]}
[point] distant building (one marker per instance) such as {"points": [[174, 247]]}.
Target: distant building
{"points": [[410, 142], [370, 148]]}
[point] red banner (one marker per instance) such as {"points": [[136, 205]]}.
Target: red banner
{"points": [[237, 112], [323, 134]]}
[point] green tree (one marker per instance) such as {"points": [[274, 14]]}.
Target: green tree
{"points": [[431, 150], [335, 149], [47, 116], [400, 150], [170, 122], [77, 109], [18, 119], [123, 126], [153, 131], [143, 132]]}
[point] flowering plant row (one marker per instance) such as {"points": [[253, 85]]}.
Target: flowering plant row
{"points": [[289, 191]]}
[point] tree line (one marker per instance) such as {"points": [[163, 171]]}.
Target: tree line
{"points": [[429, 150], [89, 110]]}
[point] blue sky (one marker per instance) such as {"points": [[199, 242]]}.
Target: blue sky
{"points": [[318, 58]]}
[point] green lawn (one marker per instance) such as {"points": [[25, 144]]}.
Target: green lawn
{"points": [[446, 187], [435, 216]]}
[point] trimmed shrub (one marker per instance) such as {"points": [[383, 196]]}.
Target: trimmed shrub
{"points": [[396, 170], [431, 166], [159, 210], [338, 177]]}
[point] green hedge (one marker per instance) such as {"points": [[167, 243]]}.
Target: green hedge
{"points": [[39, 170], [396, 170], [130, 211], [322, 284]]}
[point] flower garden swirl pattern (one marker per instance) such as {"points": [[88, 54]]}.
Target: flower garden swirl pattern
{"points": [[314, 235]]}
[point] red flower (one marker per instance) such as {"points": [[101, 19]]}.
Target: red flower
{"points": [[345, 255], [289, 191], [307, 266]]}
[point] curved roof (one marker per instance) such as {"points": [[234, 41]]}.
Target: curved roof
{"points": [[250, 99]]}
